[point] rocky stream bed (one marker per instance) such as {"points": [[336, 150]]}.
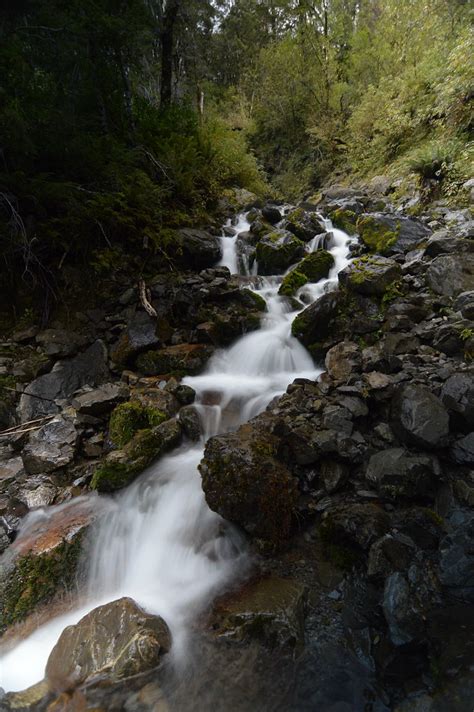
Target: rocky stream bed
{"points": [[353, 492]]}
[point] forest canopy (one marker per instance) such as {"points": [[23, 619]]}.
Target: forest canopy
{"points": [[123, 119]]}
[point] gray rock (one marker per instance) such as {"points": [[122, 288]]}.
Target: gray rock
{"points": [[11, 469], [396, 473], [359, 524], [334, 475], [402, 618], [465, 304], [370, 275], [342, 360], [189, 419], [457, 394], [462, 451], [199, 249], [457, 561], [88, 368], [117, 640], [139, 335], [402, 234], [451, 274], [51, 447], [37, 492], [271, 214], [419, 416], [98, 401]]}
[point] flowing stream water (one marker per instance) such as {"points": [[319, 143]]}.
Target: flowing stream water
{"points": [[158, 542]]}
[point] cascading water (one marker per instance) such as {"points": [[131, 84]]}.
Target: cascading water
{"points": [[158, 542]]}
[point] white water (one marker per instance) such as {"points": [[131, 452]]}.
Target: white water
{"points": [[160, 543]]}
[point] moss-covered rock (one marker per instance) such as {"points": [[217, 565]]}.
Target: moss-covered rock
{"points": [[377, 236], [128, 418], [317, 265], [123, 466], [244, 481], [291, 283], [345, 220], [305, 225], [185, 359], [371, 274], [390, 234], [277, 251]]}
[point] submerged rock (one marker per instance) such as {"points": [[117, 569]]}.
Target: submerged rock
{"points": [[118, 640]]}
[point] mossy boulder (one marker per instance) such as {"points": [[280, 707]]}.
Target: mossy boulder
{"points": [[371, 274], [128, 418], [121, 467], [344, 219], [390, 234], [277, 250], [305, 225], [291, 283], [317, 265], [43, 562], [185, 359], [244, 481]]}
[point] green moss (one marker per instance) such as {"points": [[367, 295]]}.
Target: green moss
{"points": [[259, 301], [38, 578], [272, 260], [392, 292], [376, 235], [128, 418], [344, 219], [317, 265], [112, 476], [291, 283]]}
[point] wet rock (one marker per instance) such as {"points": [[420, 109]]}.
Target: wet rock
{"points": [[121, 467], [189, 419], [305, 225], [58, 343], [139, 335], [391, 234], [396, 473], [277, 251], [462, 450], [370, 275], [98, 401], [271, 214], [183, 358], [43, 560], [343, 360], [419, 416], [315, 322], [118, 640], [450, 275], [197, 249], [50, 447], [87, 368], [245, 483], [457, 561], [270, 610]]}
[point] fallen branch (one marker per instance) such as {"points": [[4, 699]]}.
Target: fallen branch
{"points": [[145, 295]]}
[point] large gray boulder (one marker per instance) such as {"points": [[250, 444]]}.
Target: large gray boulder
{"points": [[390, 234], [450, 275], [51, 447], [396, 473], [118, 640], [370, 275], [419, 417], [87, 368]]}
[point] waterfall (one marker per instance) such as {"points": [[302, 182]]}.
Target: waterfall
{"points": [[158, 541]]}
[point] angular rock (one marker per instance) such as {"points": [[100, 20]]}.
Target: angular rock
{"points": [[402, 616], [370, 275], [343, 360], [462, 451], [396, 473], [451, 275], [51, 447], [315, 322], [465, 304], [198, 249], [334, 475], [187, 358], [457, 394], [270, 610], [189, 419], [419, 416], [356, 524], [457, 561], [139, 335], [271, 214], [87, 368], [118, 639], [59, 343], [278, 250], [98, 401]]}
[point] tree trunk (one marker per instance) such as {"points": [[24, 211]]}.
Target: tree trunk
{"points": [[167, 48]]}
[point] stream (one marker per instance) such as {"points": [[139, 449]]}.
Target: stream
{"points": [[158, 542]]}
